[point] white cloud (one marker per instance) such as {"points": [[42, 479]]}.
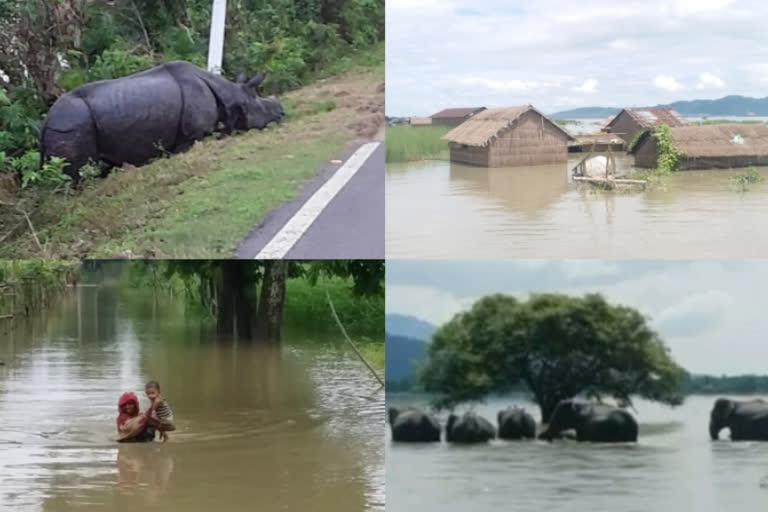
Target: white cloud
{"points": [[619, 44], [502, 85], [667, 82], [431, 304], [541, 52], [695, 6], [589, 86], [708, 80]]}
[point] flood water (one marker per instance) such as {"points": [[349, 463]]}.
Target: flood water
{"points": [[258, 429], [674, 467], [438, 209]]}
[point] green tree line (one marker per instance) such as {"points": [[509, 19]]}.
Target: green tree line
{"points": [[28, 286], [48, 47]]}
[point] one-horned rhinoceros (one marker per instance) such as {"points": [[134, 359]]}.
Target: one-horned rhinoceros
{"points": [[135, 118]]}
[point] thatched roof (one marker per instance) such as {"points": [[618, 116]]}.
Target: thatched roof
{"points": [[451, 113], [480, 130], [649, 117], [718, 140]]}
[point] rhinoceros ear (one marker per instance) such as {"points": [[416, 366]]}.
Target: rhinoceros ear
{"points": [[254, 82], [241, 76]]}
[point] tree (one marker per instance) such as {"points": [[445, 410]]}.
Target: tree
{"points": [[558, 346], [247, 296]]}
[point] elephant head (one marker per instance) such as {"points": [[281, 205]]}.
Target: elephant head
{"points": [[567, 415], [719, 418]]}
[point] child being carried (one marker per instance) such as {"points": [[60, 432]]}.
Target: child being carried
{"points": [[159, 413]]}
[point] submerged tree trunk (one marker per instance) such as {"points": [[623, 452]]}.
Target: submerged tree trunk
{"points": [[270, 315], [235, 299]]}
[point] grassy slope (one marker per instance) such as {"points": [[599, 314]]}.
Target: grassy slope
{"points": [[362, 317], [201, 204], [409, 143]]}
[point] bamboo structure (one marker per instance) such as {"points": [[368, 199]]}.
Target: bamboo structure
{"points": [[508, 137], [720, 146]]}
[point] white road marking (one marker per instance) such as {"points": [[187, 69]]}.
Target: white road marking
{"points": [[293, 230]]}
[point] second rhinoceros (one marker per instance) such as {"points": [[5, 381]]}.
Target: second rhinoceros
{"points": [[136, 118]]}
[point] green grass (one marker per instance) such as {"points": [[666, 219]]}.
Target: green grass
{"points": [[363, 317], [411, 143], [202, 203]]}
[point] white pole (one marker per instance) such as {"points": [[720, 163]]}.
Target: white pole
{"points": [[216, 43]]}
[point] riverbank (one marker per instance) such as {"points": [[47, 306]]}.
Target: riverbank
{"points": [[409, 144], [29, 286], [363, 317], [200, 204]]}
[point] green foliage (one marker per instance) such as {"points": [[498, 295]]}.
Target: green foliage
{"points": [[33, 284], [743, 180], [737, 385], [558, 346], [367, 275], [669, 156], [410, 143], [635, 140], [116, 63], [50, 174]]}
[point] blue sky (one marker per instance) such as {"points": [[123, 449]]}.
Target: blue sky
{"points": [[560, 54], [712, 314]]}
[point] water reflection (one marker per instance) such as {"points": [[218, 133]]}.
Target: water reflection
{"points": [[436, 209], [511, 186], [292, 429]]}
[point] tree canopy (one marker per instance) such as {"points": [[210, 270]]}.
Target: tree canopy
{"points": [[247, 296], [557, 345]]}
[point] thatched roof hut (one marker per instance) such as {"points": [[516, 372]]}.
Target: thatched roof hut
{"points": [[718, 146], [454, 116], [631, 121], [421, 121], [508, 137]]}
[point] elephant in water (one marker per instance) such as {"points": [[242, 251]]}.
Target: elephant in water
{"points": [[516, 423], [748, 420], [138, 117], [592, 422], [413, 426], [469, 428]]}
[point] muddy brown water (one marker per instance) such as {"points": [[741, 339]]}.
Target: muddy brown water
{"points": [[673, 467], [438, 209], [258, 429]]}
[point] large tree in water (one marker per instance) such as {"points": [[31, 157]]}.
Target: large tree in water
{"points": [[557, 346], [247, 296]]}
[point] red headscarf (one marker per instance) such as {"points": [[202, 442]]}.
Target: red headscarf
{"points": [[126, 398]]}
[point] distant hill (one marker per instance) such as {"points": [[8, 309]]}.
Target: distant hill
{"points": [[407, 340], [409, 326], [403, 356], [727, 106]]}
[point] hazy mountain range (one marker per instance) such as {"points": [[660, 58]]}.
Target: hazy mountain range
{"points": [[727, 106], [407, 339]]}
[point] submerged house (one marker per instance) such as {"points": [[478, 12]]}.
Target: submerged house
{"points": [[508, 137], [421, 121], [454, 116], [631, 121], [719, 146]]}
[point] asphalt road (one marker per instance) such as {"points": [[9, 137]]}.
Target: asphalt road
{"points": [[350, 226]]}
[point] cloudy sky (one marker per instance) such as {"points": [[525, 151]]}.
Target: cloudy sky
{"points": [[712, 314], [560, 54]]}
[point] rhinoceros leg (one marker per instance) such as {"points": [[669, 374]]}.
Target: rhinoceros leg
{"points": [[69, 132]]}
